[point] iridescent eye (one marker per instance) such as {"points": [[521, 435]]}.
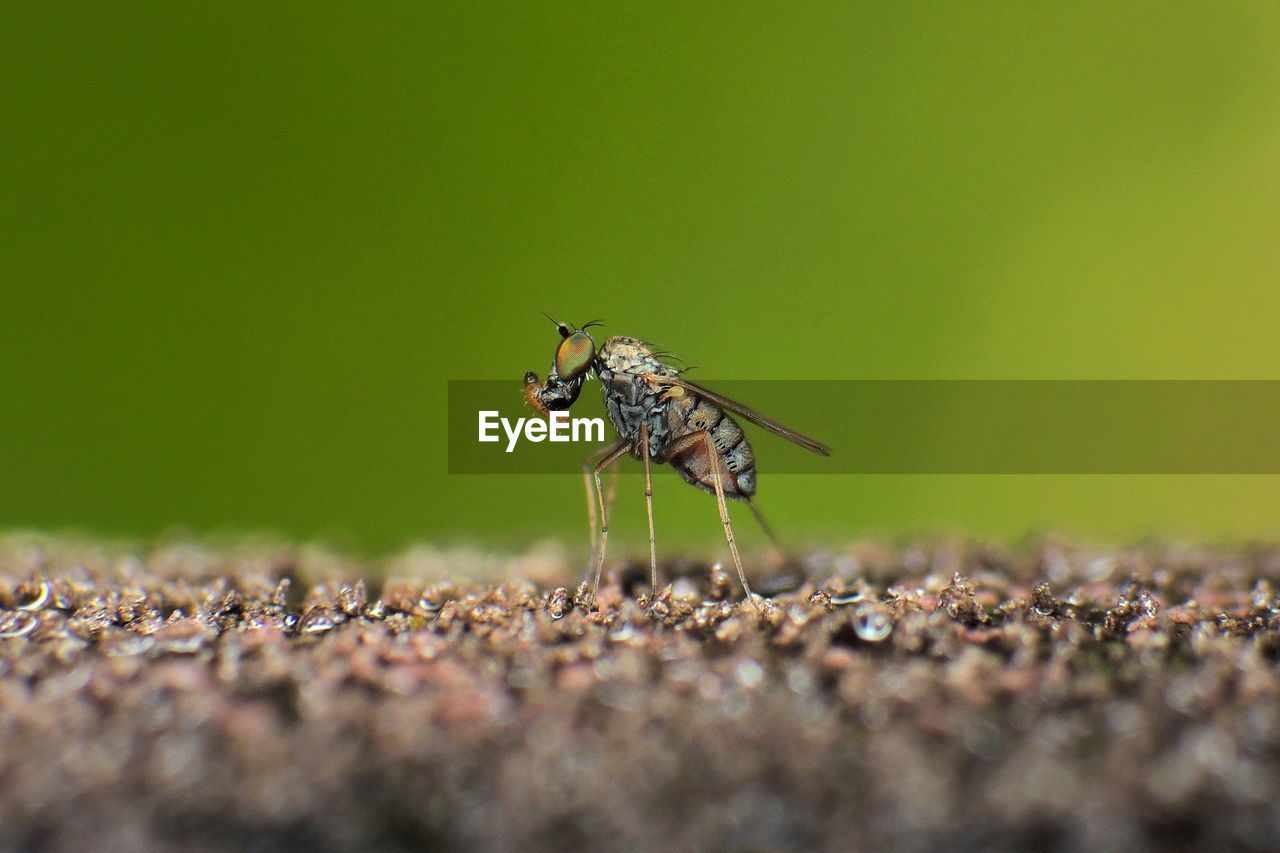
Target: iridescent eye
{"points": [[574, 355]]}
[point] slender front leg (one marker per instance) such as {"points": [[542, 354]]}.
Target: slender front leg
{"points": [[587, 464], [616, 451], [613, 489], [702, 440], [648, 500]]}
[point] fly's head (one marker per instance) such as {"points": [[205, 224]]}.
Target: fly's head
{"points": [[574, 357], [552, 395]]}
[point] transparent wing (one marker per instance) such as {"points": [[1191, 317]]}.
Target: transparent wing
{"points": [[748, 414]]}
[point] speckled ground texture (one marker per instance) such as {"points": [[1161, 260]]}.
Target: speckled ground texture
{"points": [[938, 695]]}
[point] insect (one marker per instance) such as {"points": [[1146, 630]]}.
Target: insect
{"points": [[661, 418]]}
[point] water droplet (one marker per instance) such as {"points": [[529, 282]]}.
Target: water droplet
{"points": [[872, 624], [13, 625], [37, 601]]}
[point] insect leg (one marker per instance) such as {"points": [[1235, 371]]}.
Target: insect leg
{"points": [[724, 519], [648, 499], [702, 438], [613, 489], [592, 525], [616, 451], [609, 495], [768, 530], [591, 505]]}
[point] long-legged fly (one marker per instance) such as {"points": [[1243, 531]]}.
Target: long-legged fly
{"points": [[661, 418]]}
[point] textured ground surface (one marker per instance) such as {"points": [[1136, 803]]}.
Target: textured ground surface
{"points": [[939, 695]]}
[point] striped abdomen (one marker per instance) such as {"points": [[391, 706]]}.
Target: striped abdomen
{"points": [[688, 413]]}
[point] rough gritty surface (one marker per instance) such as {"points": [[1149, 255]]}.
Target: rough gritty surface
{"points": [[933, 696]]}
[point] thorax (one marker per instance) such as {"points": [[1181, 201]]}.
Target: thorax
{"points": [[631, 399]]}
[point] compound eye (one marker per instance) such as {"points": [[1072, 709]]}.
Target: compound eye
{"points": [[574, 355]]}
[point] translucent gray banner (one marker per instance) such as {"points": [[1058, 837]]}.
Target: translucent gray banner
{"points": [[929, 427]]}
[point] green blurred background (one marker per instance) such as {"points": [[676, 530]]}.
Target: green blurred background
{"points": [[245, 245]]}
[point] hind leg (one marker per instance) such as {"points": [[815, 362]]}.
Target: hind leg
{"points": [[701, 441], [768, 531], [648, 500]]}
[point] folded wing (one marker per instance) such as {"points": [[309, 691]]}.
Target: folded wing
{"points": [[748, 414]]}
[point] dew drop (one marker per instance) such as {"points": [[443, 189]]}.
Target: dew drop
{"points": [[872, 624], [38, 600], [14, 625]]}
